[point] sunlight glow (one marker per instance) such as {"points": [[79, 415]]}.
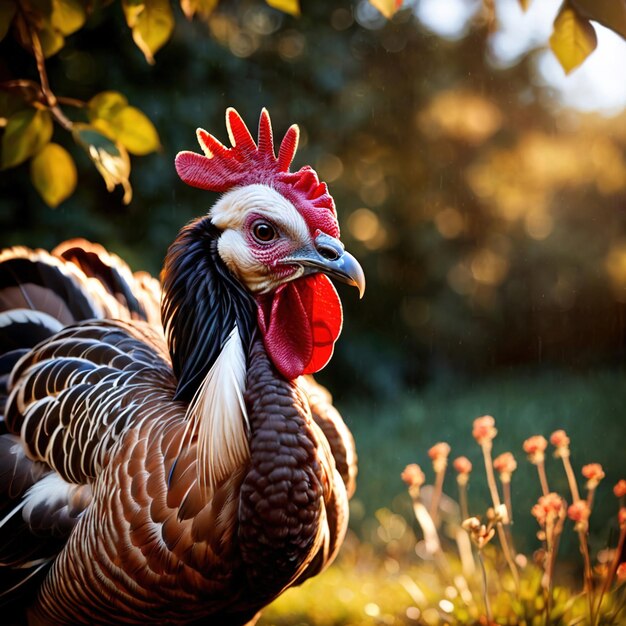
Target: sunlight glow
{"points": [[448, 18], [597, 85]]}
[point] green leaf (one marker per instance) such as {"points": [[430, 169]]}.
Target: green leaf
{"points": [[286, 6], [67, 16], [609, 13], [105, 105], [387, 7], [53, 174], [151, 22], [7, 13], [202, 7], [573, 39], [109, 157], [10, 103], [26, 133]]}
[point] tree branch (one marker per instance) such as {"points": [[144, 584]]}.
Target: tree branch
{"points": [[51, 99]]}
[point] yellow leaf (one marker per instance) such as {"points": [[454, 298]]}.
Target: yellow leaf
{"points": [[110, 158], [53, 174], [202, 7], [387, 7], [26, 133], [105, 105], [151, 22], [67, 16], [7, 13], [286, 6], [573, 39], [51, 41], [135, 131], [109, 113], [104, 127]]}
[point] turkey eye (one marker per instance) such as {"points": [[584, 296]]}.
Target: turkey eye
{"points": [[263, 232]]}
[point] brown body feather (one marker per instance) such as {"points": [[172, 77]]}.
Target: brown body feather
{"points": [[138, 538]]}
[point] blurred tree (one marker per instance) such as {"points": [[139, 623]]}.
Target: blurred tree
{"points": [[490, 223]]}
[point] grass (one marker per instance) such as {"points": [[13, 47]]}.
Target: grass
{"points": [[359, 592], [379, 578]]}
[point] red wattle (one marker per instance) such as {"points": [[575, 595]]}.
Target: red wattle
{"points": [[300, 323]]}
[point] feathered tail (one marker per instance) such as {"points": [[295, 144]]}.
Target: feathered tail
{"points": [[40, 294]]}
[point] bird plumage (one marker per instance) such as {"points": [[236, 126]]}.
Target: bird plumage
{"points": [[164, 469]]}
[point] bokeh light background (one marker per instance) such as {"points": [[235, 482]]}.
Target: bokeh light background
{"points": [[482, 189]]}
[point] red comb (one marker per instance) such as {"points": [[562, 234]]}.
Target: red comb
{"points": [[249, 163]]}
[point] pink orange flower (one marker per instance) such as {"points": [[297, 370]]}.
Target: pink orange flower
{"points": [[579, 513], [505, 464], [462, 465], [439, 454], [413, 475], [621, 572], [439, 450], [621, 516], [548, 508], [594, 473], [560, 441], [484, 430], [535, 448], [620, 488]]}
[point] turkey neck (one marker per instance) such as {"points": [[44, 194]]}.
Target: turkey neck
{"points": [[202, 302], [282, 517], [282, 520]]}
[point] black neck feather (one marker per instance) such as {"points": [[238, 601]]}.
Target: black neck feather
{"points": [[202, 302]]}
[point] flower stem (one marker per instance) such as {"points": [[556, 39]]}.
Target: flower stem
{"points": [[506, 488], [590, 496], [463, 501], [431, 537], [553, 535], [571, 479], [507, 553], [588, 588], [491, 479], [485, 592], [610, 575], [543, 478], [493, 488], [616, 557], [434, 503]]}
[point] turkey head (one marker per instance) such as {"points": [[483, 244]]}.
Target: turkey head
{"points": [[279, 237]]}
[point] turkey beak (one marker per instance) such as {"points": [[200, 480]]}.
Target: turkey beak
{"points": [[329, 257]]}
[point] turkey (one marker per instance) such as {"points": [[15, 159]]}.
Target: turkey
{"points": [[165, 455]]}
